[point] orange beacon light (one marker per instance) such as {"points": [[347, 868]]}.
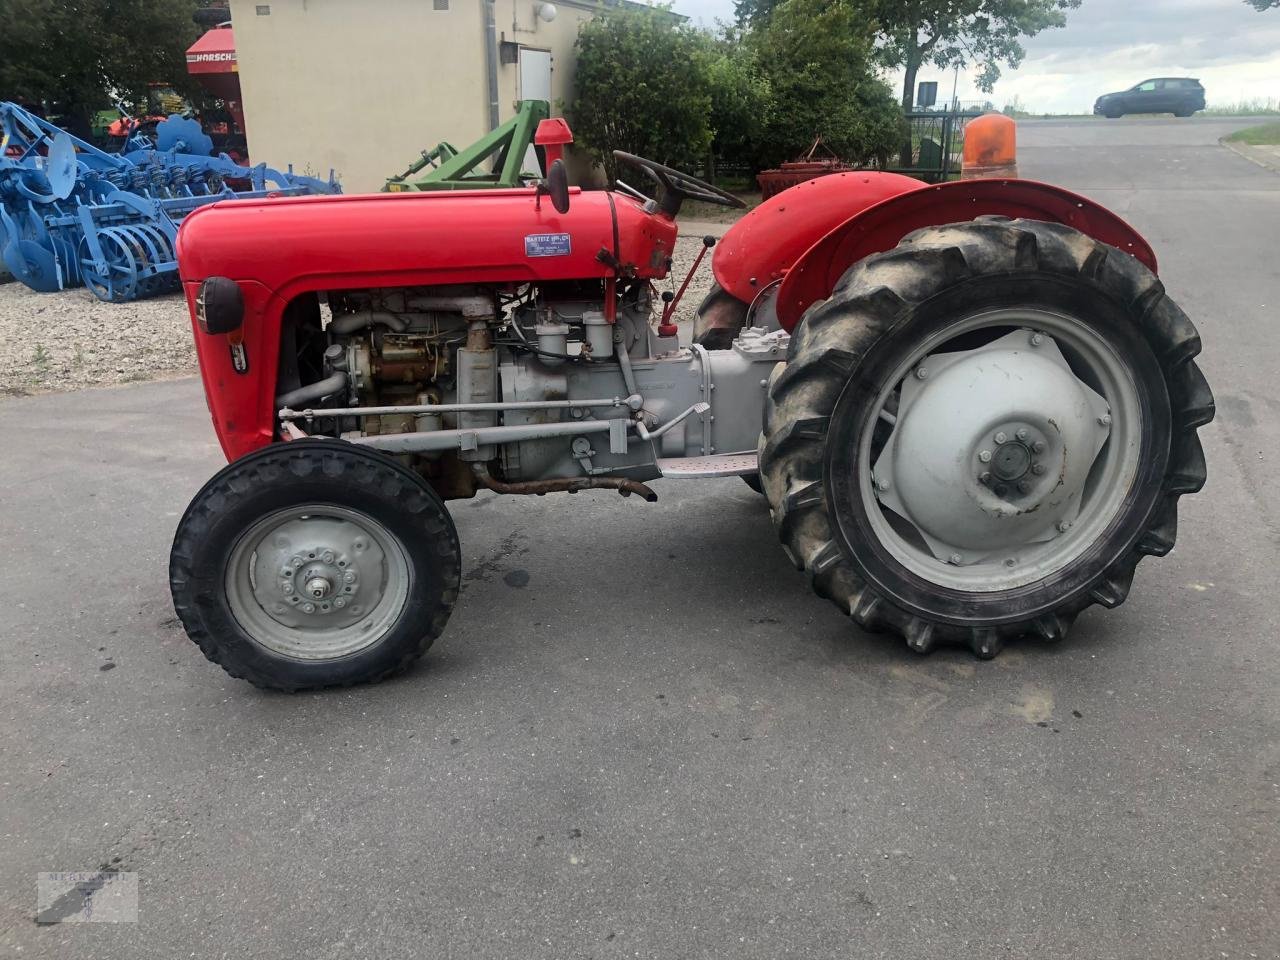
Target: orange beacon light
{"points": [[990, 147]]}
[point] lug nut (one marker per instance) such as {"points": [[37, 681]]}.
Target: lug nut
{"points": [[308, 608], [328, 556], [340, 603], [1038, 469], [287, 588], [348, 577], [984, 478], [1022, 433], [1036, 339], [1105, 420], [985, 456], [1002, 437], [1038, 447], [882, 485], [954, 559], [1064, 526], [1024, 486], [922, 373]]}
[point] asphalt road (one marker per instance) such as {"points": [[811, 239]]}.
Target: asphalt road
{"points": [[641, 736]]}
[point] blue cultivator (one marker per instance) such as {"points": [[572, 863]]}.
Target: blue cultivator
{"points": [[71, 213]]}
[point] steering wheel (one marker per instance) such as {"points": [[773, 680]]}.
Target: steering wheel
{"points": [[677, 187]]}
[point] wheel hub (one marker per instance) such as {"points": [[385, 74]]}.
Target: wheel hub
{"points": [[1011, 462], [991, 448], [317, 580]]}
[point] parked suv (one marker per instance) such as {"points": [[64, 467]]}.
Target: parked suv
{"points": [[1180, 96]]}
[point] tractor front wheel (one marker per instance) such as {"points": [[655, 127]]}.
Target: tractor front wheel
{"points": [[983, 431], [314, 564]]}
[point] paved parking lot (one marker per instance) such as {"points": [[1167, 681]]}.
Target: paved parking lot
{"points": [[641, 735]]}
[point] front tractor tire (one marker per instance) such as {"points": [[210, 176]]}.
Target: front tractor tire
{"points": [[312, 564], [983, 431]]}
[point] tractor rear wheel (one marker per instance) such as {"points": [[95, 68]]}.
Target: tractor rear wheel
{"points": [[314, 564], [983, 431]]}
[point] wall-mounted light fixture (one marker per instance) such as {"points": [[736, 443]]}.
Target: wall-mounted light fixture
{"points": [[542, 10]]}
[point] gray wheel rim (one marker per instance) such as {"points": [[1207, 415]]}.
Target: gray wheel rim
{"points": [[979, 542], [318, 582]]}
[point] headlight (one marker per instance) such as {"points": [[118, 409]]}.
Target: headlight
{"points": [[220, 306]]}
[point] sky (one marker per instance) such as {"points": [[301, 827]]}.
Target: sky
{"points": [[1110, 45]]}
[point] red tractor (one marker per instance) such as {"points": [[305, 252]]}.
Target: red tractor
{"points": [[971, 407]]}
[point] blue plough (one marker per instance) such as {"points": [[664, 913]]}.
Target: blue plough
{"points": [[71, 213]]}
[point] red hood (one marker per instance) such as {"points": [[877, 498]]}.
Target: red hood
{"points": [[294, 244]]}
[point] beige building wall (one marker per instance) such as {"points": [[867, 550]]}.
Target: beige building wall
{"points": [[362, 86]]}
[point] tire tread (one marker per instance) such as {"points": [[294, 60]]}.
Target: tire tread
{"points": [[833, 337]]}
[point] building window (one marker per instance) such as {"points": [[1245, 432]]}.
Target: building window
{"points": [[440, 4], [263, 9]]}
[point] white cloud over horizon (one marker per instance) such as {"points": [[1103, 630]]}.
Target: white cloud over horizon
{"points": [[1112, 44]]}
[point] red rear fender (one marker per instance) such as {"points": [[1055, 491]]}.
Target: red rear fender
{"points": [[760, 247], [879, 227]]}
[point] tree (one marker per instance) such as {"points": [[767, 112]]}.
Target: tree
{"points": [[741, 102], [642, 85], [817, 56], [1263, 4], [753, 12], [951, 33], [76, 53]]}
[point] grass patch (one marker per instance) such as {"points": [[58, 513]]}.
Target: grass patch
{"points": [[1263, 134], [1245, 108]]}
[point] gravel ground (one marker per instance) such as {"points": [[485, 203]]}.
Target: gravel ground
{"points": [[69, 340]]}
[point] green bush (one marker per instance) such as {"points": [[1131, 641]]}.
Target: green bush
{"points": [[650, 85], [642, 85], [741, 103], [816, 56]]}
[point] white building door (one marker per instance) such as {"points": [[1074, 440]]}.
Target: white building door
{"points": [[535, 74], [535, 84]]}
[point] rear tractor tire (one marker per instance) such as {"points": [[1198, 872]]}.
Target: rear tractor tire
{"points": [[982, 432], [314, 564]]}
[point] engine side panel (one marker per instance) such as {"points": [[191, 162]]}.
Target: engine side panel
{"points": [[882, 226], [280, 249], [760, 247]]}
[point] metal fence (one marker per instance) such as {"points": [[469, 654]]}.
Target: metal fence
{"points": [[936, 143], [937, 146]]}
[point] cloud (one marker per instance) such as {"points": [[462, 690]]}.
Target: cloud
{"points": [[1113, 44]]}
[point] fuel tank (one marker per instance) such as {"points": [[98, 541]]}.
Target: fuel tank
{"points": [[295, 244]]}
